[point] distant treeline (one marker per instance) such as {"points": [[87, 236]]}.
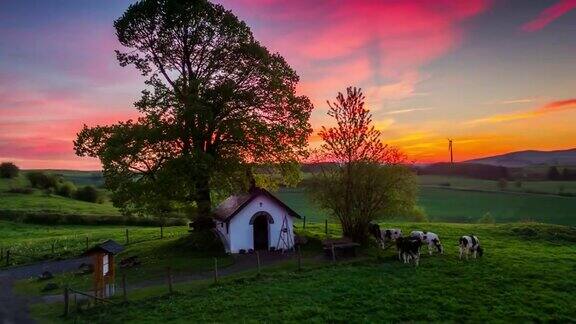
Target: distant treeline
{"points": [[478, 171], [73, 219], [491, 172]]}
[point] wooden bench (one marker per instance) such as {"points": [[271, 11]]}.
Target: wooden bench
{"points": [[339, 248]]}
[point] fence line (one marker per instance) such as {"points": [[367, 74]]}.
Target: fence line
{"points": [[55, 247]]}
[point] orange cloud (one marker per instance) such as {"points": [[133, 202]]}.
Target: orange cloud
{"points": [[554, 106], [549, 15]]}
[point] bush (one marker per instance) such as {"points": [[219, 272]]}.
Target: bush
{"points": [[42, 180], [8, 170], [88, 194], [502, 184], [487, 219], [66, 189], [74, 219]]}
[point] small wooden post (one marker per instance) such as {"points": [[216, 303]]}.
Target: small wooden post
{"points": [[127, 237], [170, 289], [304, 222], [124, 289], [1, 253], [161, 232], [258, 260], [215, 270], [53, 242], [7, 258], [299, 258], [86, 242], [326, 227], [66, 301], [333, 253]]}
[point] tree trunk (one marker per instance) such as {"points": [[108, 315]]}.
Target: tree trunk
{"points": [[204, 219]]}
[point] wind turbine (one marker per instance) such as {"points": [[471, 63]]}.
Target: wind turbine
{"points": [[450, 149]]}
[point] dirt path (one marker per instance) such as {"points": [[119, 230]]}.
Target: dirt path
{"points": [[13, 307], [241, 263]]}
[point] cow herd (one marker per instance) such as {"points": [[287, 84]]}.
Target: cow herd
{"points": [[409, 247]]}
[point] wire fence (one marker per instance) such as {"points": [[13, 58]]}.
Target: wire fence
{"points": [[66, 246]]}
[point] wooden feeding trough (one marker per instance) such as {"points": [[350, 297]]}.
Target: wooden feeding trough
{"points": [[104, 267]]}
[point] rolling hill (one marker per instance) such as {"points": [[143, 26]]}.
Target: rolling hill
{"points": [[530, 158]]}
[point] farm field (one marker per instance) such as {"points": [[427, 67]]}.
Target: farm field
{"points": [[550, 187], [526, 275], [449, 205]]}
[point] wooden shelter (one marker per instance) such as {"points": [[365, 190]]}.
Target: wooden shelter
{"points": [[104, 267]]}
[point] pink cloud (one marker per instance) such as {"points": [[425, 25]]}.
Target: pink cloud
{"points": [[391, 39], [549, 15]]}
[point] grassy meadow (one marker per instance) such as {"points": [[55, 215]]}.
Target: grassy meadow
{"points": [[461, 206], [526, 275], [30, 242]]}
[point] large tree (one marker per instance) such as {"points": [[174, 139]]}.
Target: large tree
{"points": [[366, 180], [216, 103]]}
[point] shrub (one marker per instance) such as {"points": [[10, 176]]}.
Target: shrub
{"points": [[66, 189], [502, 184], [487, 219], [88, 194], [42, 180], [8, 170]]}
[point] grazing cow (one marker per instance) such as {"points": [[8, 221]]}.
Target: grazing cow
{"points": [[470, 244], [409, 249], [430, 239], [384, 236]]}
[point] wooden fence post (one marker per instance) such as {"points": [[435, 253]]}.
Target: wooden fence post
{"points": [[7, 258], [127, 237], [124, 289], [161, 232], [333, 253], [1, 253], [170, 290], [299, 258], [304, 222], [215, 270], [66, 301], [86, 242], [53, 242], [326, 227], [258, 260]]}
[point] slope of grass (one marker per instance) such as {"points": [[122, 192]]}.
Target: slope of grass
{"points": [[526, 275], [38, 203], [29, 242]]}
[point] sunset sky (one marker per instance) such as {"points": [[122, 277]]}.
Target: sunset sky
{"points": [[496, 76]]}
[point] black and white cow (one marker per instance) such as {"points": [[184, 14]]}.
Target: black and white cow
{"points": [[430, 239], [470, 244], [385, 236], [409, 249]]}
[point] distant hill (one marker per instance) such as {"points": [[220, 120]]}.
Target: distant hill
{"points": [[530, 158]]}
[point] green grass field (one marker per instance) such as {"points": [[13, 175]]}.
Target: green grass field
{"points": [[449, 205], [29, 242], [41, 203], [550, 187], [526, 275]]}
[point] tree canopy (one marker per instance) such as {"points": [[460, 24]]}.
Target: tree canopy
{"points": [[367, 182], [216, 103]]}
